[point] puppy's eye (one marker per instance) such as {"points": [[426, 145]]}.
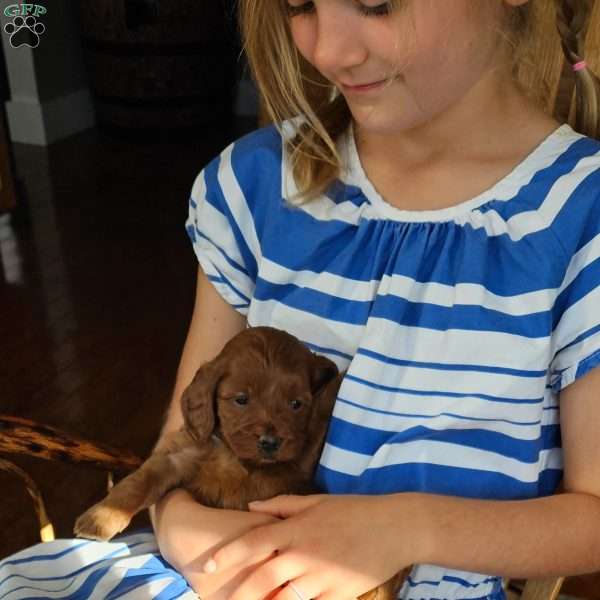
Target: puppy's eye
{"points": [[296, 404], [241, 399]]}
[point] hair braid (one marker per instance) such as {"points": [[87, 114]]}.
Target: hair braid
{"points": [[571, 16]]}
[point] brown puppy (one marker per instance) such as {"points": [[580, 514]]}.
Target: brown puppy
{"points": [[255, 420]]}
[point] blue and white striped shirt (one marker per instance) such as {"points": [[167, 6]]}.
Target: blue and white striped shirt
{"points": [[458, 326]]}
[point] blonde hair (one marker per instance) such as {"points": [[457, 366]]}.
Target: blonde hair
{"points": [[290, 86]]}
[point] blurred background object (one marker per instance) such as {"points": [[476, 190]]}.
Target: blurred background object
{"points": [[160, 67], [147, 70]]}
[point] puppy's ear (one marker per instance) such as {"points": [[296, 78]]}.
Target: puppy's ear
{"points": [[328, 381], [198, 400], [322, 372]]}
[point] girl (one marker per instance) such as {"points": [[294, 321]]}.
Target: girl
{"points": [[414, 216]]}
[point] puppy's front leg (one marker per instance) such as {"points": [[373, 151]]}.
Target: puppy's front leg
{"points": [[162, 472]]}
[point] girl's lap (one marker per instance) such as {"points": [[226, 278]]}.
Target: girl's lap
{"points": [[128, 567]]}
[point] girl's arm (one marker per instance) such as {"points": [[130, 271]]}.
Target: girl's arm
{"points": [[187, 531], [213, 324], [335, 547]]}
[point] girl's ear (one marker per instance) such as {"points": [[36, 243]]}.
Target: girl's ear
{"points": [[198, 400]]}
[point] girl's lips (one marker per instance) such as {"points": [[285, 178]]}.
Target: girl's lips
{"points": [[363, 88]]}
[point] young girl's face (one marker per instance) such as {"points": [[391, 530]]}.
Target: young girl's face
{"points": [[427, 54]]}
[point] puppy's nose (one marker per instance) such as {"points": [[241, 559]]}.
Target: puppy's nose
{"points": [[269, 443]]}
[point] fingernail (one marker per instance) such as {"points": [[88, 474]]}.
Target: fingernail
{"points": [[210, 566], [255, 502]]}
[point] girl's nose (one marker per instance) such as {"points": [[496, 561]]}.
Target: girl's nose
{"points": [[338, 44]]}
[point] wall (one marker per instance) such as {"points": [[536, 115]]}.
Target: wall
{"points": [[50, 99]]}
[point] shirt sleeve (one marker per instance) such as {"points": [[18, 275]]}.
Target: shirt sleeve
{"points": [[576, 311], [221, 228]]}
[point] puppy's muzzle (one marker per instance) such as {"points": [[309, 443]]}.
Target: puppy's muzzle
{"points": [[269, 444]]}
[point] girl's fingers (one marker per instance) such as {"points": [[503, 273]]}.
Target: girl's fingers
{"points": [[255, 546], [271, 576], [286, 505]]}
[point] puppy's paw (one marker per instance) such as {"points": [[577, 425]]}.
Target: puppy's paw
{"points": [[101, 522]]}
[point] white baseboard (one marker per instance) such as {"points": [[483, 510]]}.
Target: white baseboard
{"points": [[30, 122]]}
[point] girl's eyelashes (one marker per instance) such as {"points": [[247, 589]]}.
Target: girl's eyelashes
{"points": [[380, 10], [302, 9]]}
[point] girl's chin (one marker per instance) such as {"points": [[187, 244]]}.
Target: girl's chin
{"points": [[377, 120]]}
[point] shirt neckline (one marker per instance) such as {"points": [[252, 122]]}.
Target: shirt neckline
{"points": [[552, 145]]}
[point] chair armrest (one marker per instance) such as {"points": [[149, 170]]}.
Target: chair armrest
{"points": [[46, 527], [22, 436], [534, 589], [542, 589]]}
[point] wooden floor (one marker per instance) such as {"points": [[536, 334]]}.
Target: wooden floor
{"points": [[95, 295]]}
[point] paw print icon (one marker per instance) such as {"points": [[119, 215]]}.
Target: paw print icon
{"points": [[25, 31]]}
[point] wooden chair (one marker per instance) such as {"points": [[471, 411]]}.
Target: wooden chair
{"points": [[22, 436]]}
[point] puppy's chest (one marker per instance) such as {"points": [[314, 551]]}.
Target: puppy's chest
{"points": [[220, 480]]}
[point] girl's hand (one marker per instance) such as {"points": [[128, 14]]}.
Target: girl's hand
{"points": [[187, 534], [330, 547]]}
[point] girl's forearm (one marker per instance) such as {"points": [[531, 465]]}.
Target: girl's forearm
{"points": [[543, 537], [179, 497]]}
